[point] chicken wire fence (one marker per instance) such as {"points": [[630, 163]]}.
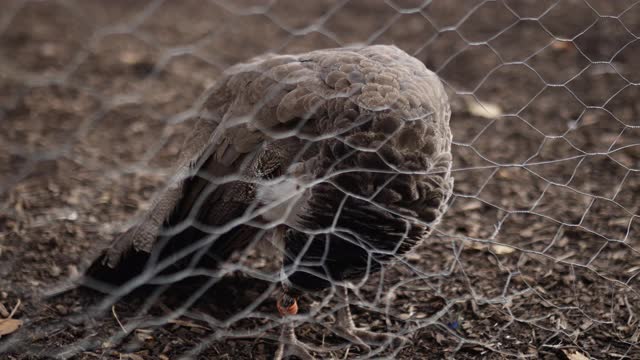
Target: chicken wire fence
{"points": [[536, 257]]}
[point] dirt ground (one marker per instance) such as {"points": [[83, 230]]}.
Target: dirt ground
{"points": [[538, 256]]}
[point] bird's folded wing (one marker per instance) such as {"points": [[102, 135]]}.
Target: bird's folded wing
{"points": [[220, 149]]}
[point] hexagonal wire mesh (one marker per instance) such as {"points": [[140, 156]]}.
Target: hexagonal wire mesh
{"points": [[537, 255]]}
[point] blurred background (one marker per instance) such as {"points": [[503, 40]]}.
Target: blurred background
{"points": [[536, 258]]}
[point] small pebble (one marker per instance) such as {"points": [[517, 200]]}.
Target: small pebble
{"points": [[55, 271], [61, 309]]}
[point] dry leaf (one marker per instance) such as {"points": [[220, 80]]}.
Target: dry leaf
{"points": [[560, 45], [7, 326], [144, 335], [496, 248], [573, 354], [483, 109], [131, 57], [132, 356], [502, 249], [477, 245], [633, 269], [471, 205]]}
